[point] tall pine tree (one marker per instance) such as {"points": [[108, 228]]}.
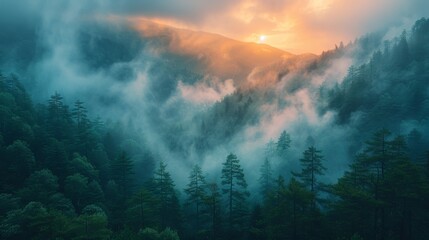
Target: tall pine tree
{"points": [[235, 189], [311, 168], [196, 193], [266, 178], [163, 188]]}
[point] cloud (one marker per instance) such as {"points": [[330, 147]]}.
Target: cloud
{"points": [[297, 26], [292, 25], [206, 92]]}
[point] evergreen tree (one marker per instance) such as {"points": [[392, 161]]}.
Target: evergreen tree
{"points": [[121, 171], [213, 203], [17, 165], [91, 224], [169, 210], [283, 144], [378, 152], [79, 113], [354, 202], [378, 159], [299, 200], [142, 210], [311, 168], [235, 189], [76, 188], [266, 178], [257, 226], [40, 186], [84, 139], [81, 165], [270, 149], [119, 188], [55, 158], [401, 56], [196, 192], [59, 122], [275, 208]]}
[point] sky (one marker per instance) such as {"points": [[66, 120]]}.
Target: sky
{"points": [[297, 26]]}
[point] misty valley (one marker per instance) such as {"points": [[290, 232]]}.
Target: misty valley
{"points": [[117, 129]]}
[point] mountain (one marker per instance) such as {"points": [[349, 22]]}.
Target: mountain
{"points": [[216, 55]]}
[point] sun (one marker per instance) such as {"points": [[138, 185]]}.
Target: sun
{"points": [[262, 38]]}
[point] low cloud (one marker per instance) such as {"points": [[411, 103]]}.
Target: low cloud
{"points": [[206, 92]]}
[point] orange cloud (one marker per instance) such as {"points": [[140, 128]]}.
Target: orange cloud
{"points": [[295, 25]]}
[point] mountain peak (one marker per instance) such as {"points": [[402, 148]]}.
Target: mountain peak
{"points": [[220, 56]]}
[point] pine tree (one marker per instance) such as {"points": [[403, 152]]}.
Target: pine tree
{"points": [[121, 170], [213, 203], [84, 138], [169, 210], [378, 159], [235, 188], [266, 178], [378, 152], [298, 199], [283, 143], [354, 201], [79, 113], [275, 209], [196, 192], [270, 149], [311, 168], [59, 122]]}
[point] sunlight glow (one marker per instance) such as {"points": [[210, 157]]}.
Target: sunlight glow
{"points": [[262, 38]]}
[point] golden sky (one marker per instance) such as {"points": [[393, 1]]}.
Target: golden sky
{"points": [[297, 26]]}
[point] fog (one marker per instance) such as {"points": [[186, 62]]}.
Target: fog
{"points": [[82, 52]]}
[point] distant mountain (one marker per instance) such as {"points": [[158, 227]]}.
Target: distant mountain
{"points": [[217, 55]]}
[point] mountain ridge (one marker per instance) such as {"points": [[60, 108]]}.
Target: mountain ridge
{"points": [[219, 55]]}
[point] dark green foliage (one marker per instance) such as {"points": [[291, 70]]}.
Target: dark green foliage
{"points": [[152, 234], [81, 165], [235, 190], [257, 225], [266, 178], [196, 195], [121, 171], [17, 165], [53, 163], [59, 121], [312, 167], [142, 210], [289, 211], [168, 207], [381, 192], [213, 203], [91, 224], [40, 186], [388, 88], [84, 137], [7, 203], [76, 189], [55, 158]]}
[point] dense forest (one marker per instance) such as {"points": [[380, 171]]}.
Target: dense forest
{"points": [[63, 178]]}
